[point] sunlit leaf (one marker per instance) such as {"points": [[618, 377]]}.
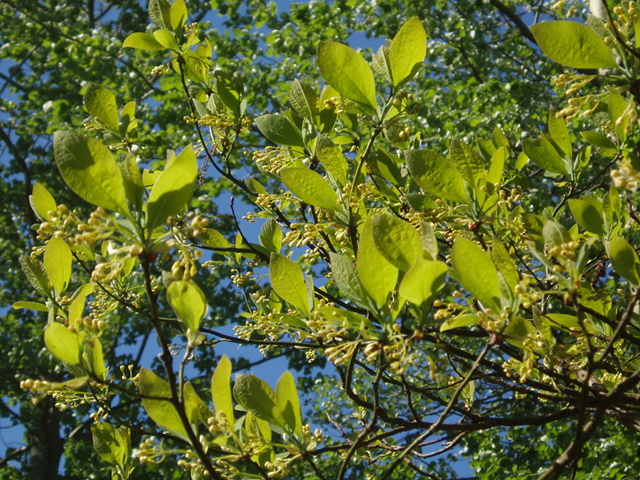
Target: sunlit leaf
{"points": [[258, 397], [288, 403], [189, 303], [407, 51], [346, 71], [221, 388], [57, 263], [476, 272], [573, 45], [90, 170], [173, 189], [62, 343], [101, 105], [287, 281]]}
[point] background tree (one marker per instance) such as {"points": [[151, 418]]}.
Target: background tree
{"points": [[475, 67]]}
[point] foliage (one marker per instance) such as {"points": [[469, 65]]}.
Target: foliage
{"points": [[489, 286]]}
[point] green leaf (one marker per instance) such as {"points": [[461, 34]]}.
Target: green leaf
{"points": [[226, 90], [150, 177], [279, 130], [132, 181], [332, 159], [42, 202], [407, 51], [160, 13], [78, 301], [464, 320], [588, 212], [346, 71], [109, 443], [476, 273], [345, 273], [258, 397], [598, 140], [160, 408], [289, 403], [95, 358], [271, 236], [57, 263], [90, 170], [429, 242], [617, 108], [436, 175], [560, 134], [35, 273], [173, 189], [496, 166], [468, 162], [555, 235], [504, 263], [624, 259], [310, 187], [101, 105], [381, 63], [573, 45], [167, 40], [287, 281], [62, 343], [423, 280], [189, 303], [543, 154], [304, 101], [39, 307], [378, 276], [213, 238], [127, 118], [397, 240], [221, 388], [178, 14], [142, 41], [328, 116], [567, 321]]}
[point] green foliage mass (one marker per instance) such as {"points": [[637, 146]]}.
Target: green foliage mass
{"points": [[444, 278]]}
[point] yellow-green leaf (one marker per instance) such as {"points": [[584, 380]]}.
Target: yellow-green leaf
{"points": [[543, 153], [423, 280], [221, 388], [62, 343], [397, 240], [287, 281], [463, 320], [42, 202], [258, 397], [57, 263], [407, 51], [289, 404], [476, 273], [142, 41], [189, 303], [310, 187], [624, 259], [101, 105], [436, 175], [173, 189], [573, 45], [178, 14], [559, 133], [109, 443], [377, 274], [346, 71], [90, 170]]}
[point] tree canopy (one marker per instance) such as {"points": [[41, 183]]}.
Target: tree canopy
{"points": [[427, 208]]}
